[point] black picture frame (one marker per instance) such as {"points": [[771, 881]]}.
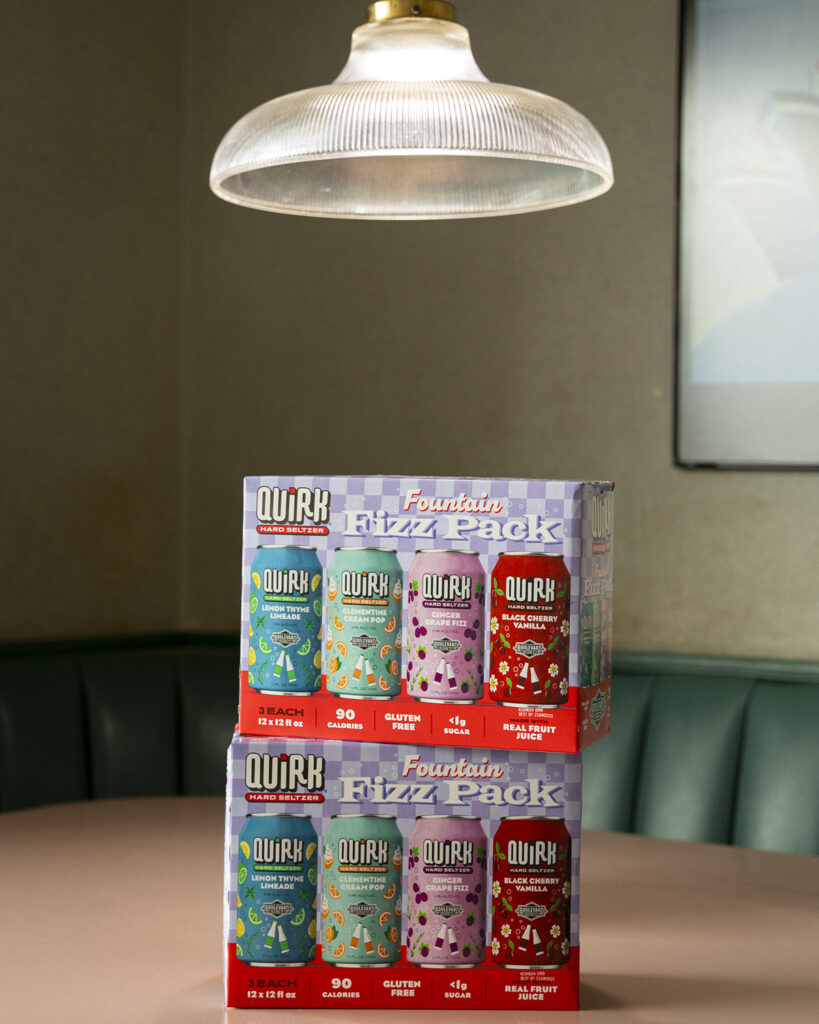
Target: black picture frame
{"points": [[759, 415]]}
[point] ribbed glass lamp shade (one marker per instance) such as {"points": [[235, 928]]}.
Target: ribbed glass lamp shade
{"points": [[411, 130]]}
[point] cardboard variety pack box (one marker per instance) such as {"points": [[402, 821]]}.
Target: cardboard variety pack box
{"points": [[475, 612], [352, 870], [422, 661]]}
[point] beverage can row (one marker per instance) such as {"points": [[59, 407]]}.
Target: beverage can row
{"points": [[528, 608], [361, 895]]}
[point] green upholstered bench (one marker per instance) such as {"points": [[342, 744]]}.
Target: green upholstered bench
{"points": [[116, 718], [720, 750], [710, 749]]}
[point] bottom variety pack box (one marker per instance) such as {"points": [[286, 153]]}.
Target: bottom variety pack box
{"points": [[383, 875]]}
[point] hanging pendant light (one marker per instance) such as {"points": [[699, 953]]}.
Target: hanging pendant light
{"points": [[411, 130]]}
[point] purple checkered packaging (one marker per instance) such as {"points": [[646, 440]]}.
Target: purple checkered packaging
{"points": [[307, 672], [345, 785]]}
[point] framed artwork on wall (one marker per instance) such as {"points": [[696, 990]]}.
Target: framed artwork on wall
{"points": [[748, 260]]}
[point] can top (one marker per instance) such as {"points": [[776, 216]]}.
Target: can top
{"points": [[387, 551], [446, 551], [531, 554], [388, 817], [447, 817], [531, 817], [275, 814], [285, 547]]}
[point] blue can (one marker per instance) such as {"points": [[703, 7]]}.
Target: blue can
{"points": [[285, 615], [276, 890]]}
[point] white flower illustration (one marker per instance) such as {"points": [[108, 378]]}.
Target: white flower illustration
{"points": [[565, 947], [553, 670], [496, 888], [493, 683], [506, 930], [564, 627], [555, 931], [493, 624], [503, 668], [567, 890], [564, 686], [495, 946]]}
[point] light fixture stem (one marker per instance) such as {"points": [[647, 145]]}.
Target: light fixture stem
{"points": [[385, 10]]}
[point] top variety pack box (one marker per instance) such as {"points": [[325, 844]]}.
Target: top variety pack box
{"points": [[427, 610]]}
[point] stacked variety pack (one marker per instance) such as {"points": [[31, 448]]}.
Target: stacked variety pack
{"points": [[422, 661]]}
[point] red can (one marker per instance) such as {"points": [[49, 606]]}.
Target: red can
{"points": [[531, 892], [529, 630]]}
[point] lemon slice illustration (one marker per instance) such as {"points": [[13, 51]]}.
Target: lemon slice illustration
{"points": [[315, 581], [244, 846]]}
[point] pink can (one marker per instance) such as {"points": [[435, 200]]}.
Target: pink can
{"points": [[446, 601]]}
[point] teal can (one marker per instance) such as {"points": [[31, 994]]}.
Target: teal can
{"points": [[276, 890], [365, 588], [284, 624], [361, 891]]}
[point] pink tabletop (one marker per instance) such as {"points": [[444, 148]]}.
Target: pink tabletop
{"points": [[110, 911]]}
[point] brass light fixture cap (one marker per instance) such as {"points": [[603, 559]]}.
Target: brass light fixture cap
{"points": [[384, 10]]}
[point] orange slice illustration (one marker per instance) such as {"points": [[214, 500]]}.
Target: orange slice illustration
{"points": [[390, 625], [383, 952], [383, 684], [385, 650], [339, 951], [341, 683], [388, 895], [393, 667], [392, 934], [384, 918], [338, 916], [334, 893], [342, 647], [338, 624]]}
